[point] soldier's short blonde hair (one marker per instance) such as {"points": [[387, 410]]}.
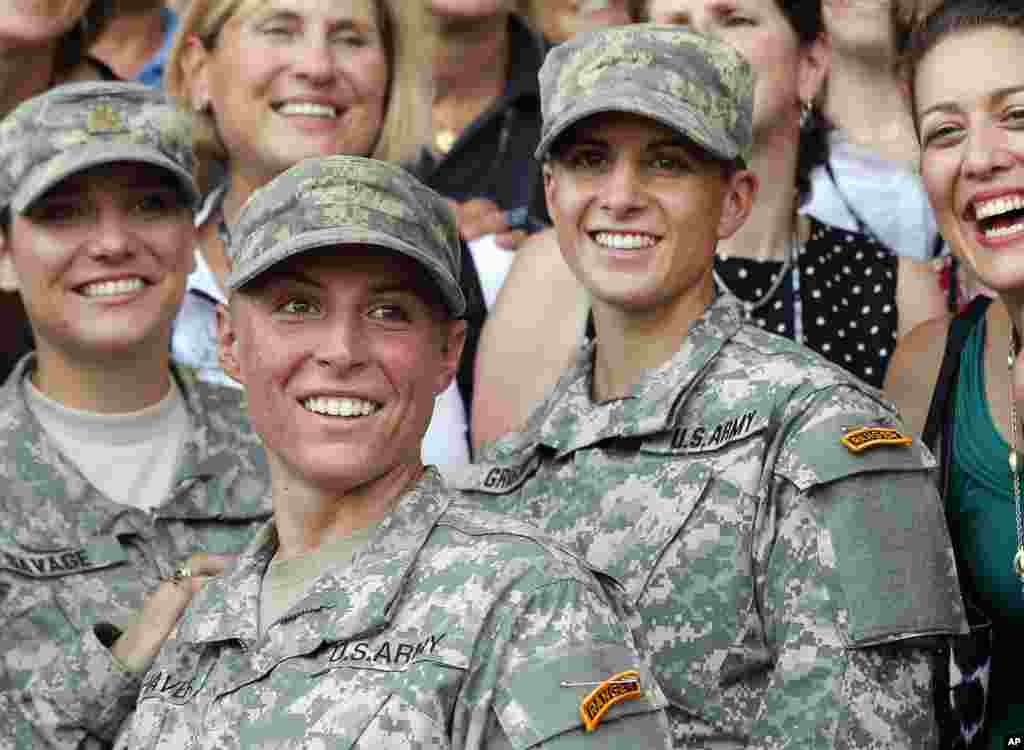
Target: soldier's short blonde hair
{"points": [[408, 34]]}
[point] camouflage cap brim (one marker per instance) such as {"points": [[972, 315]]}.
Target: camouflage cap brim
{"points": [[306, 242], [79, 159], [631, 99]]}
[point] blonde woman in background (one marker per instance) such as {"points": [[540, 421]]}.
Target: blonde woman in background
{"points": [[559, 20], [272, 82]]}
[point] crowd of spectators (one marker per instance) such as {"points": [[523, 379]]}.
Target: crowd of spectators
{"points": [[862, 245]]}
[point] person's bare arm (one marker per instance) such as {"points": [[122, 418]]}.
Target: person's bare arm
{"points": [[528, 339], [914, 370], [919, 296]]}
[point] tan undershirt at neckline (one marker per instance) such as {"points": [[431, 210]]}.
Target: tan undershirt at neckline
{"points": [[287, 581]]}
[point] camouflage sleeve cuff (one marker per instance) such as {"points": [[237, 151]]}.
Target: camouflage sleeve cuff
{"points": [[83, 692]]}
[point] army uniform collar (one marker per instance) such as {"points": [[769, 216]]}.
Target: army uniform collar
{"points": [[47, 491], [358, 600], [574, 421]]}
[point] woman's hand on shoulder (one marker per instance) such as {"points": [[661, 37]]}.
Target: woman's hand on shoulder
{"points": [[140, 642]]}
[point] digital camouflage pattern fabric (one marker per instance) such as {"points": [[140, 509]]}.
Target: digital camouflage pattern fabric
{"points": [[781, 583], [341, 200], [450, 629], [80, 125], [693, 83], [70, 558]]}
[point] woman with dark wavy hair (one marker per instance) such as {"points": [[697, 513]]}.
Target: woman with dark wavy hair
{"points": [[950, 377]]}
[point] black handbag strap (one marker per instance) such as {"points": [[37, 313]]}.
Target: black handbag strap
{"points": [[940, 411], [939, 429]]}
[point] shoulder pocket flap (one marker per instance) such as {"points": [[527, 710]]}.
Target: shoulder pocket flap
{"points": [[820, 455], [494, 479], [93, 555], [545, 699]]}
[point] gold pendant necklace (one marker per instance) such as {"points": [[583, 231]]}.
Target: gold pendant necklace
{"points": [[1016, 458]]}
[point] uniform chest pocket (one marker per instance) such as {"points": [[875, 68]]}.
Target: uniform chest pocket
{"points": [[367, 708], [50, 597]]}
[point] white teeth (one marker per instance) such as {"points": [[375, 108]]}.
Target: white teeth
{"points": [[1004, 231], [624, 241], [309, 109], [340, 407], [110, 288], [996, 206]]}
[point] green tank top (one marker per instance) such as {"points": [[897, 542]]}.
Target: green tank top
{"points": [[981, 510]]}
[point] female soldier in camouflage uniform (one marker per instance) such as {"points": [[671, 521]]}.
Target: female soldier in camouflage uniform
{"points": [[114, 465], [766, 514], [367, 615]]}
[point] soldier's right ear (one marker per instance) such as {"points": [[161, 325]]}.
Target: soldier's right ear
{"points": [[227, 343], [8, 275]]}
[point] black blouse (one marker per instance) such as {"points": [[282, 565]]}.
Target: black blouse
{"points": [[839, 298]]}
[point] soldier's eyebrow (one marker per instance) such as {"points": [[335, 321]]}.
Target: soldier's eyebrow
{"points": [[674, 142], [295, 277]]}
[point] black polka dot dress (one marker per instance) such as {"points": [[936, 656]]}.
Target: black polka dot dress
{"points": [[839, 298]]}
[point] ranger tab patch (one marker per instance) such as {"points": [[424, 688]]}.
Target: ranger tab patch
{"points": [[871, 437], [621, 687]]}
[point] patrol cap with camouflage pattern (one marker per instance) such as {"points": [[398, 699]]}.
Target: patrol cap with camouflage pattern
{"points": [[695, 84], [77, 126], [341, 200]]}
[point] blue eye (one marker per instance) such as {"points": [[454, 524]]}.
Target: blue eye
{"points": [[299, 308], [942, 135], [669, 164]]}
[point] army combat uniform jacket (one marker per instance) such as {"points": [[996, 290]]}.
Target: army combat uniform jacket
{"points": [[70, 557], [448, 630], [783, 562]]}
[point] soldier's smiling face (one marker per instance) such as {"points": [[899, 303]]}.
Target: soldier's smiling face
{"points": [[638, 210], [101, 260], [342, 352]]}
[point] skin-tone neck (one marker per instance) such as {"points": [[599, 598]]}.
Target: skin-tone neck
{"points": [[769, 228], [470, 69], [865, 101], [1013, 302], [130, 40], [105, 384], [307, 516], [25, 71], [630, 344]]}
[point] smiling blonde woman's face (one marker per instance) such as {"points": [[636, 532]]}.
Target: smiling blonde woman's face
{"points": [[294, 79]]}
